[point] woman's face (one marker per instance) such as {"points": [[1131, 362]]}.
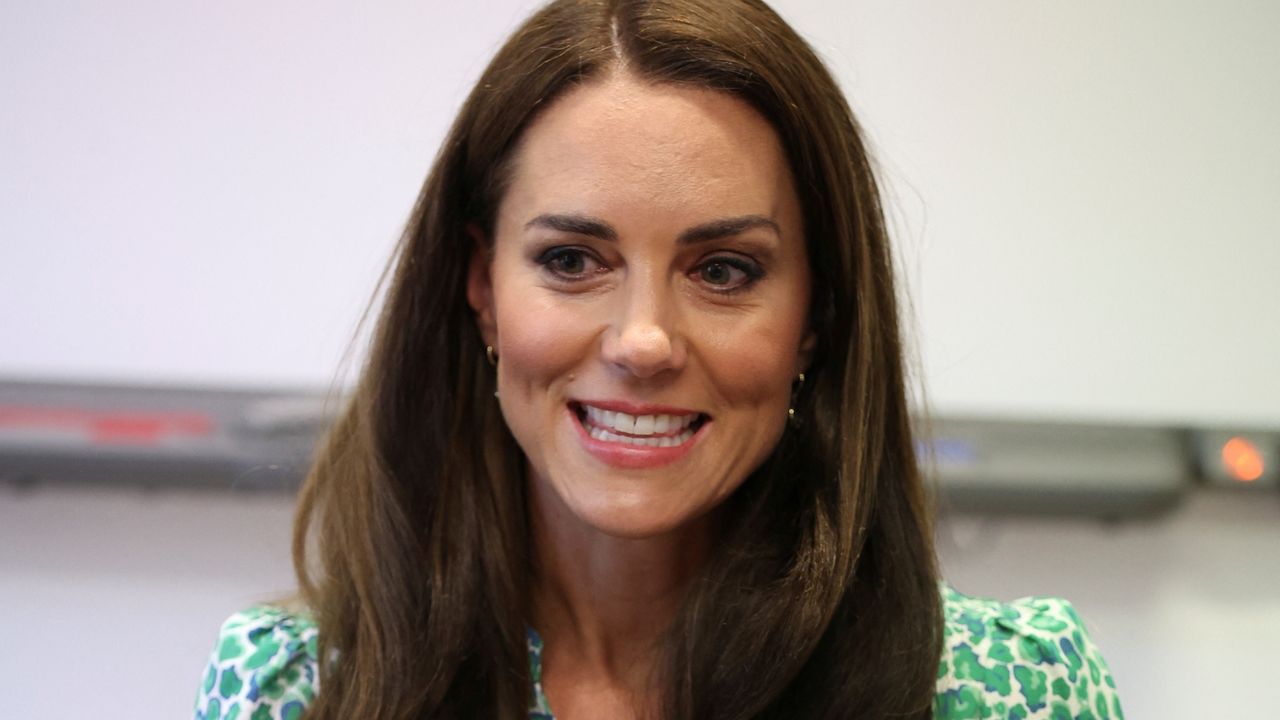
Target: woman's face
{"points": [[647, 295]]}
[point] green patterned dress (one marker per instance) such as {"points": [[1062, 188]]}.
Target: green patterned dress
{"points": [[1030, 658]]}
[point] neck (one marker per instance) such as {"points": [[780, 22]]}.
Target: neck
{"points": [[602, 602]]}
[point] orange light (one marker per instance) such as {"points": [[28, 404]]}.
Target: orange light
{"points": [[1242, 459]]}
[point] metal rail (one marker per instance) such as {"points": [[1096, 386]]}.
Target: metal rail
{"points": [[264, 439]]}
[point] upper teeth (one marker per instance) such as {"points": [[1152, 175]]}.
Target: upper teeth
{"points": [[638, 424]]}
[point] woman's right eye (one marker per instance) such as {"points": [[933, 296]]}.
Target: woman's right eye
{"points": [[568, 263]]}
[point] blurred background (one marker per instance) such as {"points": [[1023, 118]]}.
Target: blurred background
{"points": [[1083, 196]]}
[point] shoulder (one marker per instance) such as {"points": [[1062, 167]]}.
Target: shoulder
{"points": [[263, 667], [1030, 658]]}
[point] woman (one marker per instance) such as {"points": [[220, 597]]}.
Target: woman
{"points": [[632, 439]]}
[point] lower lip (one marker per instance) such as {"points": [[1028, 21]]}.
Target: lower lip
{"points": [[626, 455]]}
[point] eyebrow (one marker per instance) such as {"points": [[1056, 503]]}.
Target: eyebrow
{"points": [[713, 230]]}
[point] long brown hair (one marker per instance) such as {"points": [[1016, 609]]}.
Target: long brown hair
{"points": [[412, 540]]}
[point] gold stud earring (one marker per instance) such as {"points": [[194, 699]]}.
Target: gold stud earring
{"points": [[492, 356], [795, 392]]}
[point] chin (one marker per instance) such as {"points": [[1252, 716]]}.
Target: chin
{"points": [[630, 527], [634, 518]]}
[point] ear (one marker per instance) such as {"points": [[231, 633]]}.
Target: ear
{"points": [[805, 355], [480, 286]]}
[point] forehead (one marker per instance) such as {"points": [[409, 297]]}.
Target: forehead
{"points": [[622, 142]]}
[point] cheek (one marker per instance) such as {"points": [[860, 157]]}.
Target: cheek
{"points": [[754, 363], [534, 343], [540, 344]]}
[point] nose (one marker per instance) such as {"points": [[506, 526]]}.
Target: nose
{"points": [[643, 339]]}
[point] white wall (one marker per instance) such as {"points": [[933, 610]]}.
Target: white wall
{"points": [[1084, 197], [112, 598], [1186, 609], [1087, 195], [1084, 191]]}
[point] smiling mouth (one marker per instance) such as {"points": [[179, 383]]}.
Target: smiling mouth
{"points": [[660, 430]]}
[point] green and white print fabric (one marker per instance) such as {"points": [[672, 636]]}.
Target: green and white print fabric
{"points": [[1030, 659], [263, 668]]}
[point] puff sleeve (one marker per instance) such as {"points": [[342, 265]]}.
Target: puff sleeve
{"points": [[264, 667], [1028, 659]]}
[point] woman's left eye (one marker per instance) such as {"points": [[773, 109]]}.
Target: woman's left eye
{"points": [[727, 274]]}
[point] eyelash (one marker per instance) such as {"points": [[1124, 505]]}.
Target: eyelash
{"points": [[751, 271], [549, 256]]}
